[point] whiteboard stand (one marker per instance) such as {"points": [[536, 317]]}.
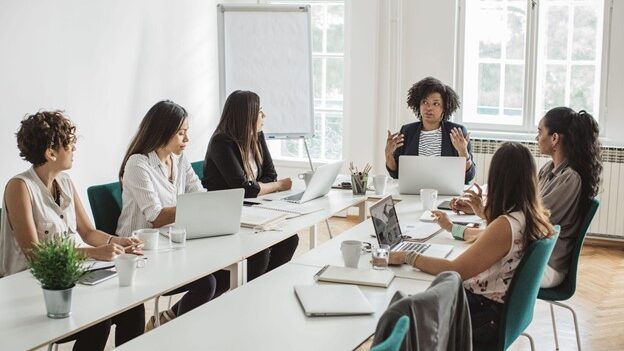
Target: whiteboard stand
{"points": [[305, 143]]}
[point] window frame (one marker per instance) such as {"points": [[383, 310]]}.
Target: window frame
{"points": [[526, 131]]}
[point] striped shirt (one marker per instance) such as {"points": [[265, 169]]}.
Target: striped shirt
{"points": [[430, 143], [147, 189]]}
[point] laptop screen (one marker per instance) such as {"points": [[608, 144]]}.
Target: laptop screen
{"points": [[386, 222]]}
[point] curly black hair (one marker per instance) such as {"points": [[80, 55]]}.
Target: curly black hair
{"points": [[582, 148], [41, 131], [419, 91]]}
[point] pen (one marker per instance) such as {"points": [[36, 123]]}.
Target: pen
{"points": [[318, 274]]}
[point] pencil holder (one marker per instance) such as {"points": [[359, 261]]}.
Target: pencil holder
{"points": [[359, 183]]}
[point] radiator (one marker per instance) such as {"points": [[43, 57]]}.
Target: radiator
{"points": [[609, 220]]}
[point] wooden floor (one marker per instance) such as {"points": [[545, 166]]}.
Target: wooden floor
{"points": [[599, 301]]}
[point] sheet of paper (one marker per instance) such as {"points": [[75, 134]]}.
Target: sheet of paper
{"points": [[419, 230], [427, 216]]}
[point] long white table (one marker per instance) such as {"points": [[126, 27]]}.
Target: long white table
{"points": [[265, 315], [23, 322]]}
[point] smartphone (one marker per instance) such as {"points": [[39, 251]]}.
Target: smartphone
{"points": [[96, 277], [445, 205]]}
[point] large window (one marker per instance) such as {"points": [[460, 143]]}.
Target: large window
{"points": [[328, 82], [521, 58]]}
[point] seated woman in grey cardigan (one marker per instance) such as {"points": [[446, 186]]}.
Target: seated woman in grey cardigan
{"points": [[566, 184], [433, 103]]}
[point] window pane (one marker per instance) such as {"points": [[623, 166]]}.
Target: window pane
{"points": [[585, 27], [582, 88], [317, 81], [490, 40], [290, 148], [318, 23], [333, 136], [489, 88], [514, 90], [335, 79], [335, 28], [516, 22], [557, 32], [554, 87]]}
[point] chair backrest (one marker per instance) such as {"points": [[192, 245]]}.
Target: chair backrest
{"points": [[198, 167], [106, 205], [395, 340], [522, 292], [566, 289]]}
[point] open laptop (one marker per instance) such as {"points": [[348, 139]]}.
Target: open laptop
{"points": [[211, 213], [445, 174], [388, 231], [332, 300], [319, 185]]}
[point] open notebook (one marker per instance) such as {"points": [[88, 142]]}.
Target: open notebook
{"points": [[254, 216], [290, 209], [463, 219]]}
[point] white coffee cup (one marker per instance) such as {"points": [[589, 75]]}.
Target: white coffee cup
{"points": [[351, 252], [126, 266], [306, 176], [149, 238], [429, 198], [380, 182]]}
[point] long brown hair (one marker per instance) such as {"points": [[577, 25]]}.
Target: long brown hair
{"points": [[159, 125], [512, 186], [238, 121]]}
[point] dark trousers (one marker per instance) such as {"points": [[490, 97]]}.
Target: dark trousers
{"points": [[130, 324], [199, 292], [262, 262], [485, 316]]}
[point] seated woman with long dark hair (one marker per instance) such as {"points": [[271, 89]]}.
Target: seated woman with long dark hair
{"points": [[238, 157], [515, 217]]}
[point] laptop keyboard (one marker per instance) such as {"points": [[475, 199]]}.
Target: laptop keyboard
{"points": [[418, 247]]}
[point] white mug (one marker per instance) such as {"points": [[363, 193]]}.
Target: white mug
{"points": [[380, 182], [149, 238], [429, 198], [126, 266], [306, 176], [351, 252]]}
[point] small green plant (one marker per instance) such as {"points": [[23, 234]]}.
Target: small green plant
{"points": [[56, 263]]}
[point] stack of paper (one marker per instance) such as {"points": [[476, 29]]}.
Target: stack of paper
{"points": [[253, 217]]}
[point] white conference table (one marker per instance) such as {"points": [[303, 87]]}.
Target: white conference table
{"points": [[23, 322], [265, 315]]}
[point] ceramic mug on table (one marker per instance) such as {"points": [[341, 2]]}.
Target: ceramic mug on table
{"points": [[149, 238], [351, 252], [126, 266]]}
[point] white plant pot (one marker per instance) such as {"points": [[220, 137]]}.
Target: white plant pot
{"points": [[58, 302]]}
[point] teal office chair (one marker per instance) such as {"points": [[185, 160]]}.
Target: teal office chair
{"points": [[198, 167], [566, 289], [106, 205], [394, 341], [522, 293]]}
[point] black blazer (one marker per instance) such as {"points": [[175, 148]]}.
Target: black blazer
{"points": [[411, 132], [223, 166]]}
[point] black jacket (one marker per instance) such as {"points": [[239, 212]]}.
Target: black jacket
{"points": [[223, 166], [411, 132]]}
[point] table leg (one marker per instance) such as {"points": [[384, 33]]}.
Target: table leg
{"points": [[313, 236], [238, 273], [361, 211]]}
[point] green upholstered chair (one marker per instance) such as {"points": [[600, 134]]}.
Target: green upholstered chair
{"points": [[522, 294], [566, 289], [198, 167], [106, 205], [394, 341]]}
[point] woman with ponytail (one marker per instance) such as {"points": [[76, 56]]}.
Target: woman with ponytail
{"points": [[569, 181]]}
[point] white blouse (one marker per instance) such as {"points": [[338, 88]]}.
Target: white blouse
{"points": [[146, 189], [50, 219]]}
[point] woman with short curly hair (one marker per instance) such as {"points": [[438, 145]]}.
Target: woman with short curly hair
{"points": [[433, 134], [42, 202]]}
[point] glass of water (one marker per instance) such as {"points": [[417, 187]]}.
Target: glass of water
{"points": [[177, 237], [381, 256]]}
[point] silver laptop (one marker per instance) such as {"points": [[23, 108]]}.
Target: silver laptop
{"points": [[332, 300], [446, 174], [388, 231], [319, 185], [211, 213]]}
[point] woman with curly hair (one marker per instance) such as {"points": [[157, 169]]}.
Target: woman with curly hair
{"points": [[433, 103], [42, 202], [567, 183]]}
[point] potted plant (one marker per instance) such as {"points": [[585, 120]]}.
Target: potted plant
{"points": [[57, 265]]}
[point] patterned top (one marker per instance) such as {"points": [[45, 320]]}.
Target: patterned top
{"points": [[494, 281], [430, 143], [147, 189]]}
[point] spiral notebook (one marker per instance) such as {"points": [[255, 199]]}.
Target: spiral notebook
{"points": [[290, 209]]}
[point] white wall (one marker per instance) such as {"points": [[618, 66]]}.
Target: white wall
{"points": [[105, 63]]}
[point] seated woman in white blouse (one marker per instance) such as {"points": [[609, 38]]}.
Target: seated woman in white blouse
{"points": [[42, 202], [153, 173]]}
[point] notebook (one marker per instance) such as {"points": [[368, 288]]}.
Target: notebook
{"points": [[427, 216], [290, 209], [252, 217], [357, 276], [332, 300]]}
